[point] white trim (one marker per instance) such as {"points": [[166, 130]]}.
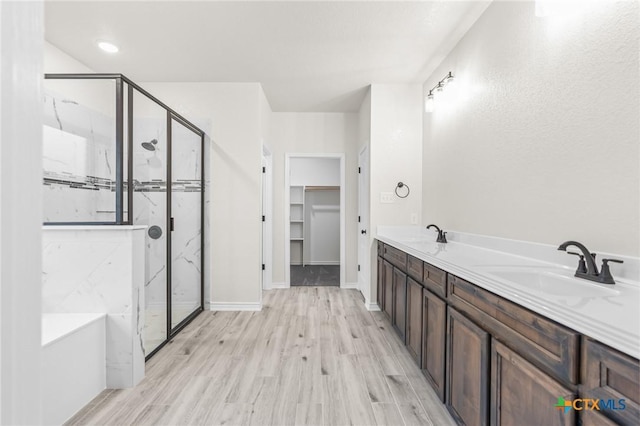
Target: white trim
{"points": [[364, 212], [267, 206], [323, 262], [349, 286], [279, 285], [343, 235], [235, 307], [372, 307]]}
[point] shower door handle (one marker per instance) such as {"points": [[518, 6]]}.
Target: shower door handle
{"points": [[171, 224]]}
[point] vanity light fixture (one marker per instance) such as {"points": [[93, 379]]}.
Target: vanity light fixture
{"points": [[429, 100], [108, 47]]}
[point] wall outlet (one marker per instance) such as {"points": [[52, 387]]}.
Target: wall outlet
{"points": [[414, 218], [386, 197]]}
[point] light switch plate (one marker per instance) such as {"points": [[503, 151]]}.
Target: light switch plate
{"points": [[386, 197], [414, 218]]}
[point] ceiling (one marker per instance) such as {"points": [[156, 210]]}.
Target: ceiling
{"points": [[308, 55]]}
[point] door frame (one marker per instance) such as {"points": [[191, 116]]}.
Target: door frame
{"points": [[364, 258], [287, 229], [267, 225]]}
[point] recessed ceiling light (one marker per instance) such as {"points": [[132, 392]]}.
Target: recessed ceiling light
{"points": [[108, 47]]}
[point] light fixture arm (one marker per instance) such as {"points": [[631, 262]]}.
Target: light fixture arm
{"points": [[429, 99], [447, 78]]}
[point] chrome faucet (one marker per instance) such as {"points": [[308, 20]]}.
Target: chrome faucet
{"points": [[587, 267], [442, 236]]}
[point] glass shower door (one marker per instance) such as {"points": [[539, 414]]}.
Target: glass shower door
{"points": [[149, 152], [186, 214]]}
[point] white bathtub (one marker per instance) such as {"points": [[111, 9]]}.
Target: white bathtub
{"points": [[73, 363]]}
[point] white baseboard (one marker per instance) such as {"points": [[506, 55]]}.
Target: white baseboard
{"points": [[350, 285], [233, 306], [323, 262], [373, 307], [279, 285]]}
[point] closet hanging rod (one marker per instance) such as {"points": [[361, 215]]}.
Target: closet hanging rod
{"points": [[321, 188]]}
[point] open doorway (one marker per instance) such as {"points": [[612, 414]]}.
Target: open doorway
{"points": [[314, 197]]}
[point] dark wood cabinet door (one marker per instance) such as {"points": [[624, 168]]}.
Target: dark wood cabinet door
{"points": [[414, 320], [467, 395], [434, 327], [400, 302], [522, 394], [614, 379], [387, 289]]}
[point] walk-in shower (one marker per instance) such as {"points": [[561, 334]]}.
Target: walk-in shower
{"points": [[115, 155]]}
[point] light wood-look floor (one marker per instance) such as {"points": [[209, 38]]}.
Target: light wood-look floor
{"points": [[312, 356]]}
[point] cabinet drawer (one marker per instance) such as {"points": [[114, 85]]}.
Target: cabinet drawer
{"points": [[396, 257], [435, 280], [610, 376], [546, 344], [380, 248], [414, 268]]}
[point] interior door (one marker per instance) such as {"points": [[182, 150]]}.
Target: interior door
{"points": [[186, 222], [364, 236]]}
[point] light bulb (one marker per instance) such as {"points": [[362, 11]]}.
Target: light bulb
{"points": [[451, 80], [429, 103], [108, 47]]}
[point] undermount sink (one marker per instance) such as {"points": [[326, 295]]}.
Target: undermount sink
{"points": [[551, 283]]}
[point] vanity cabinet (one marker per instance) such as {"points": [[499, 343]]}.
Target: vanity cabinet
{"points": [[533, 359], [434, 322], [414, 319], [546, 344], [467, 393], [492, 361]]}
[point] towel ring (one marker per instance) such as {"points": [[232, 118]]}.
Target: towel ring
{"points": [[402, 185]]}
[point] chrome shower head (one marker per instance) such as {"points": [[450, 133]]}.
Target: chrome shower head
{"points": [[151, 145]]}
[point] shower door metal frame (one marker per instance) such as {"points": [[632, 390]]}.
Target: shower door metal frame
{"points": [[120, 80]]}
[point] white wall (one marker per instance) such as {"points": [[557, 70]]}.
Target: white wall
{"points": [[395, 156], [315, 171], [21, 36], [233, 111], [543, 142], [322, 227], [312, 133]]}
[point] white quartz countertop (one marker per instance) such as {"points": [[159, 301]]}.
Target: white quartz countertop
{"points": [[608, 313]]}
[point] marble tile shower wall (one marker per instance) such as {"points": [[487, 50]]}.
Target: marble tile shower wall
{"points": [[98, 269], [78, 162], [79, 186]]}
